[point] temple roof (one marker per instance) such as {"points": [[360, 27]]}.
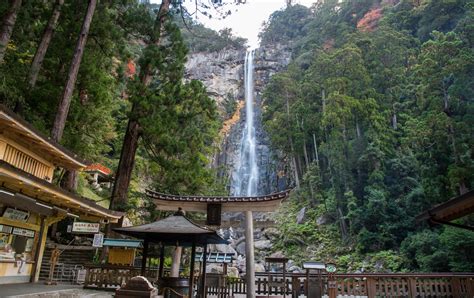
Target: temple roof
{"points": [[25, 134], [453, 209], [19, 181], [173, 229], [169, 202]]}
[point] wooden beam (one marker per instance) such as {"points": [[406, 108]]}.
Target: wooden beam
{"points": [[144, 256], [162, 261]]}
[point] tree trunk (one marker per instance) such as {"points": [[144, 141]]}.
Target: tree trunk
{"points": [[126, 163], [132, 135], [8, 23], [358, 130], [44, 44], [316, 154], [305, 151], [69, 180], [65, 102], [323, 99]]}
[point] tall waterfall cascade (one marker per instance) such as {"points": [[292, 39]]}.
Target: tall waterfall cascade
{"points": [[245, 182]]}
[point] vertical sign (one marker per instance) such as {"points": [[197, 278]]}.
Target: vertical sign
{"points": [[98, 240]]}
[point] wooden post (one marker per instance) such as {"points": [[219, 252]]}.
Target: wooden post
{"points": [[456, 286], [371, 288], [144, 256], [307, 283], [332, 285], [249, 255], [412, 287], [203, 277], [191, 269], [162, 261], [470, 287], [37, 250]]}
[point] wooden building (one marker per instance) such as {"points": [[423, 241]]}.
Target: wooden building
{"points": [[29, 201]]}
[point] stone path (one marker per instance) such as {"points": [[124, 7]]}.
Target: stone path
{"points": [[39, 290]]}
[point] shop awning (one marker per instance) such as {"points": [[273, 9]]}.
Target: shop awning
{"points": [[216, 257], [126, 243]]}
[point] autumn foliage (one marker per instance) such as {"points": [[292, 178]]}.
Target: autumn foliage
{"points": [[370, 20]]}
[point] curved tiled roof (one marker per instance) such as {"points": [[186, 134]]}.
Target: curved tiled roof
{"points": [[217, 199], [33, 136]]}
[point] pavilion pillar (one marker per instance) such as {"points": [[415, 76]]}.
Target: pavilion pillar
{"points": [[203, 278], [249, 255], [162, 261], [191, 269], [144, 256], [176, 262]]}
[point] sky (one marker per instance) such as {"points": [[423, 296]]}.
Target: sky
{"points": [[246, 19]]}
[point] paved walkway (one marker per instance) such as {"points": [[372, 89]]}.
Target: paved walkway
{"points": [[40, 290]]}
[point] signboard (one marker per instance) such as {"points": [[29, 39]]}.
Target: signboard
{"points": [[81, 276], [331, 268], [98, 240], [6, 229], [15, 214], [85, 227], [23, 232], [214, 214]]}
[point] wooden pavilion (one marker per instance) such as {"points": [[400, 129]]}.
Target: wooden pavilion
{"points": [[175, 230]]}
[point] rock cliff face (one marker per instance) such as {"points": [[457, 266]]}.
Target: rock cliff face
{"points": [[221, 72], [223, 75]]}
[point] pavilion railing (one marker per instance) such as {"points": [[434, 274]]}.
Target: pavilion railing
{"points": [[110, 277]]}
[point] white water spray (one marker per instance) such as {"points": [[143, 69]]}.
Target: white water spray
{"points": [[245, 180]]}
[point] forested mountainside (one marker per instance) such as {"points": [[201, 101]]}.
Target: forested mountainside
{"points": [[179, 122], [375, 115]]}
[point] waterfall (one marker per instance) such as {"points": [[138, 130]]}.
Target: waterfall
{"points": [[246, 176]]}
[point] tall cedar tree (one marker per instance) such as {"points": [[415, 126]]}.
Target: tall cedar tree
{"points": [[8, 23], [133, 132], [65, 101], [44, 44]]}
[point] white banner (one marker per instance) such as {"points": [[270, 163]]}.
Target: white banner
{"points": [[23, 232], [85, 227]]}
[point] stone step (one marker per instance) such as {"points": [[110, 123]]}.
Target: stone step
{"points": [[70, 257]]}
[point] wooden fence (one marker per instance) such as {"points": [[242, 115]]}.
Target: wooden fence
{"points": [[369, 285], [110, 277]]}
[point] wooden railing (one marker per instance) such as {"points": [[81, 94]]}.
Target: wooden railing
{"points": [[111, 277], [27, 163], [370, 285]]}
